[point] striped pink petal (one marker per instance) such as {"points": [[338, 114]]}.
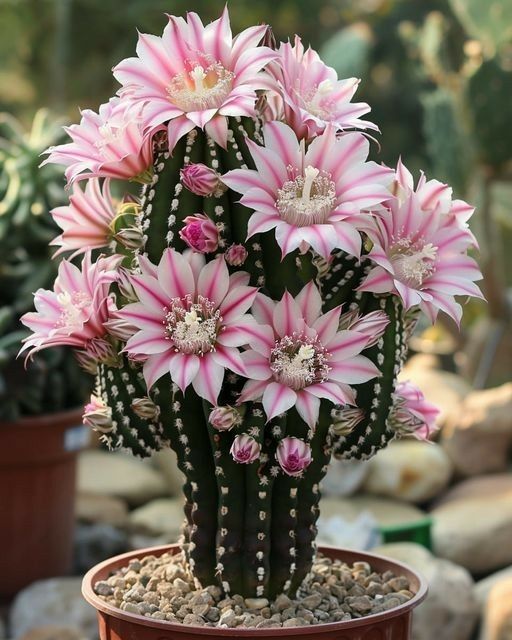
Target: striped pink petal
{"points": [[277, 399]]}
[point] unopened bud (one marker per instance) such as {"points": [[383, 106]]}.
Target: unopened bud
{"points": [[236, 255], [224, 418], [98, 415], [145, 408]]}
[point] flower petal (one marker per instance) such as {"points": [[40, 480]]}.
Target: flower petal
{"points": [[277, 399]]}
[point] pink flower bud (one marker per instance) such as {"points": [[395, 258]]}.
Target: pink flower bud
{"points": [[236, 255], [224, 418], [98, 415], [412, 414], [293, 455], [372, 324], [201, 180], [200, 233], [245, 449]]}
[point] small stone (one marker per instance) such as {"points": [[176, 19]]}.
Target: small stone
{"points": [[398, 583], [311, 602], [228, 618], [295, 622], [200, 609], [131, 607], [181, 585], [192, 619], [360, 604], [213, 614], [102, 588], [256, 603]]}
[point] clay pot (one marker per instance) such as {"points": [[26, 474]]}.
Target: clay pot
{"points": [[37, 495], [115, 624]]}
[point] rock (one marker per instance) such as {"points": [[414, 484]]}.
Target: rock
{"points": [[58, 602], [497, 622], [94, 508], [166, 463], [158, 517], [450, 610], [478, 437], [478, 487], [120, 475], [409, 470], [385, 511], [344, 477], [473, 524], [53, 632], [96, 542], [445, 390], [483, 587]]}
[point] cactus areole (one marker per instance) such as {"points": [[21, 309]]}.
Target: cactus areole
{"points": [[251, 307]]}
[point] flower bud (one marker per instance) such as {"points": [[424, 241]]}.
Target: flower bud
{"points": [[372, 324], [131, 237], [236, 255], [98, 415], [200, 233], [412, 414], [202, 180], [224, 418], [245, 449], [145, 408], [293, 455]]}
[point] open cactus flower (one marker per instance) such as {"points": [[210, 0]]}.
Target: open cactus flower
{"points": [[251, 308]]}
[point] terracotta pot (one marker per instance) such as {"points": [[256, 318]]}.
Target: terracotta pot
{"points": [[37, 495], [116, 624]]}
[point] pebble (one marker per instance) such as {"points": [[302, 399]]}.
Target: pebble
{"points": [[163, 589]]}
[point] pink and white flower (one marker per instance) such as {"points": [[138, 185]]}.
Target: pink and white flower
{"points": [[245, 449], [191, 319], [293, 455], [224, 418], [113, 143], [304, 358], [372, 324], [200, 233], [73, 313], [421, 255], [86, 221], [433, 196], [196, 75], [201, 180], [412, 413], [312, 95], [314, 197]]}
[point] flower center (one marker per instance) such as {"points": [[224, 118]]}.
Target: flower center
{"points": [[193, 327], [201, 86], [298, 361], [73, 309], [308, 199], [319, 101], [413, 265]]}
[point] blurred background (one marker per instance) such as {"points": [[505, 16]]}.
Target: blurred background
{"points": [[438, 76]]}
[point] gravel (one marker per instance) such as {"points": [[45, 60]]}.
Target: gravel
{"points": [[162, 588]]}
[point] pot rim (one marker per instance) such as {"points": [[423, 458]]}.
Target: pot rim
{"points": [[92, 576]]}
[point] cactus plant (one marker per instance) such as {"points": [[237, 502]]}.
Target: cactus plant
{"points": [[255, 334]]}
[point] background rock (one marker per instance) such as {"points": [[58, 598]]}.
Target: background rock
{"points": [[53, 632], [161, 516], [497, 623], [409, 470], [445, 390], [165, 462], [478, 437], [95, 543], [473, 524], [94, 508], [483, 587], [386, 512], [58, 602], [119, 475], [450, 610], [344, 477]]}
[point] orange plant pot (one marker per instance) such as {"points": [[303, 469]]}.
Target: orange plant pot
{"points": [[37, 496], [115, 624]]}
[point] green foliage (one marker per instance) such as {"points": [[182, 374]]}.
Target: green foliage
{"points": [[52, 381], [489, 90], [488, 21], [348, 51], [446, 144]]}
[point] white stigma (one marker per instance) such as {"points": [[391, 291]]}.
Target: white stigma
{"points": [[413, 265], [198, 76], [191, 318], [306, 352], [310, 174]]}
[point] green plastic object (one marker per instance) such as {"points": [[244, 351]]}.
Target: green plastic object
{"points": [[418, 532]]}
